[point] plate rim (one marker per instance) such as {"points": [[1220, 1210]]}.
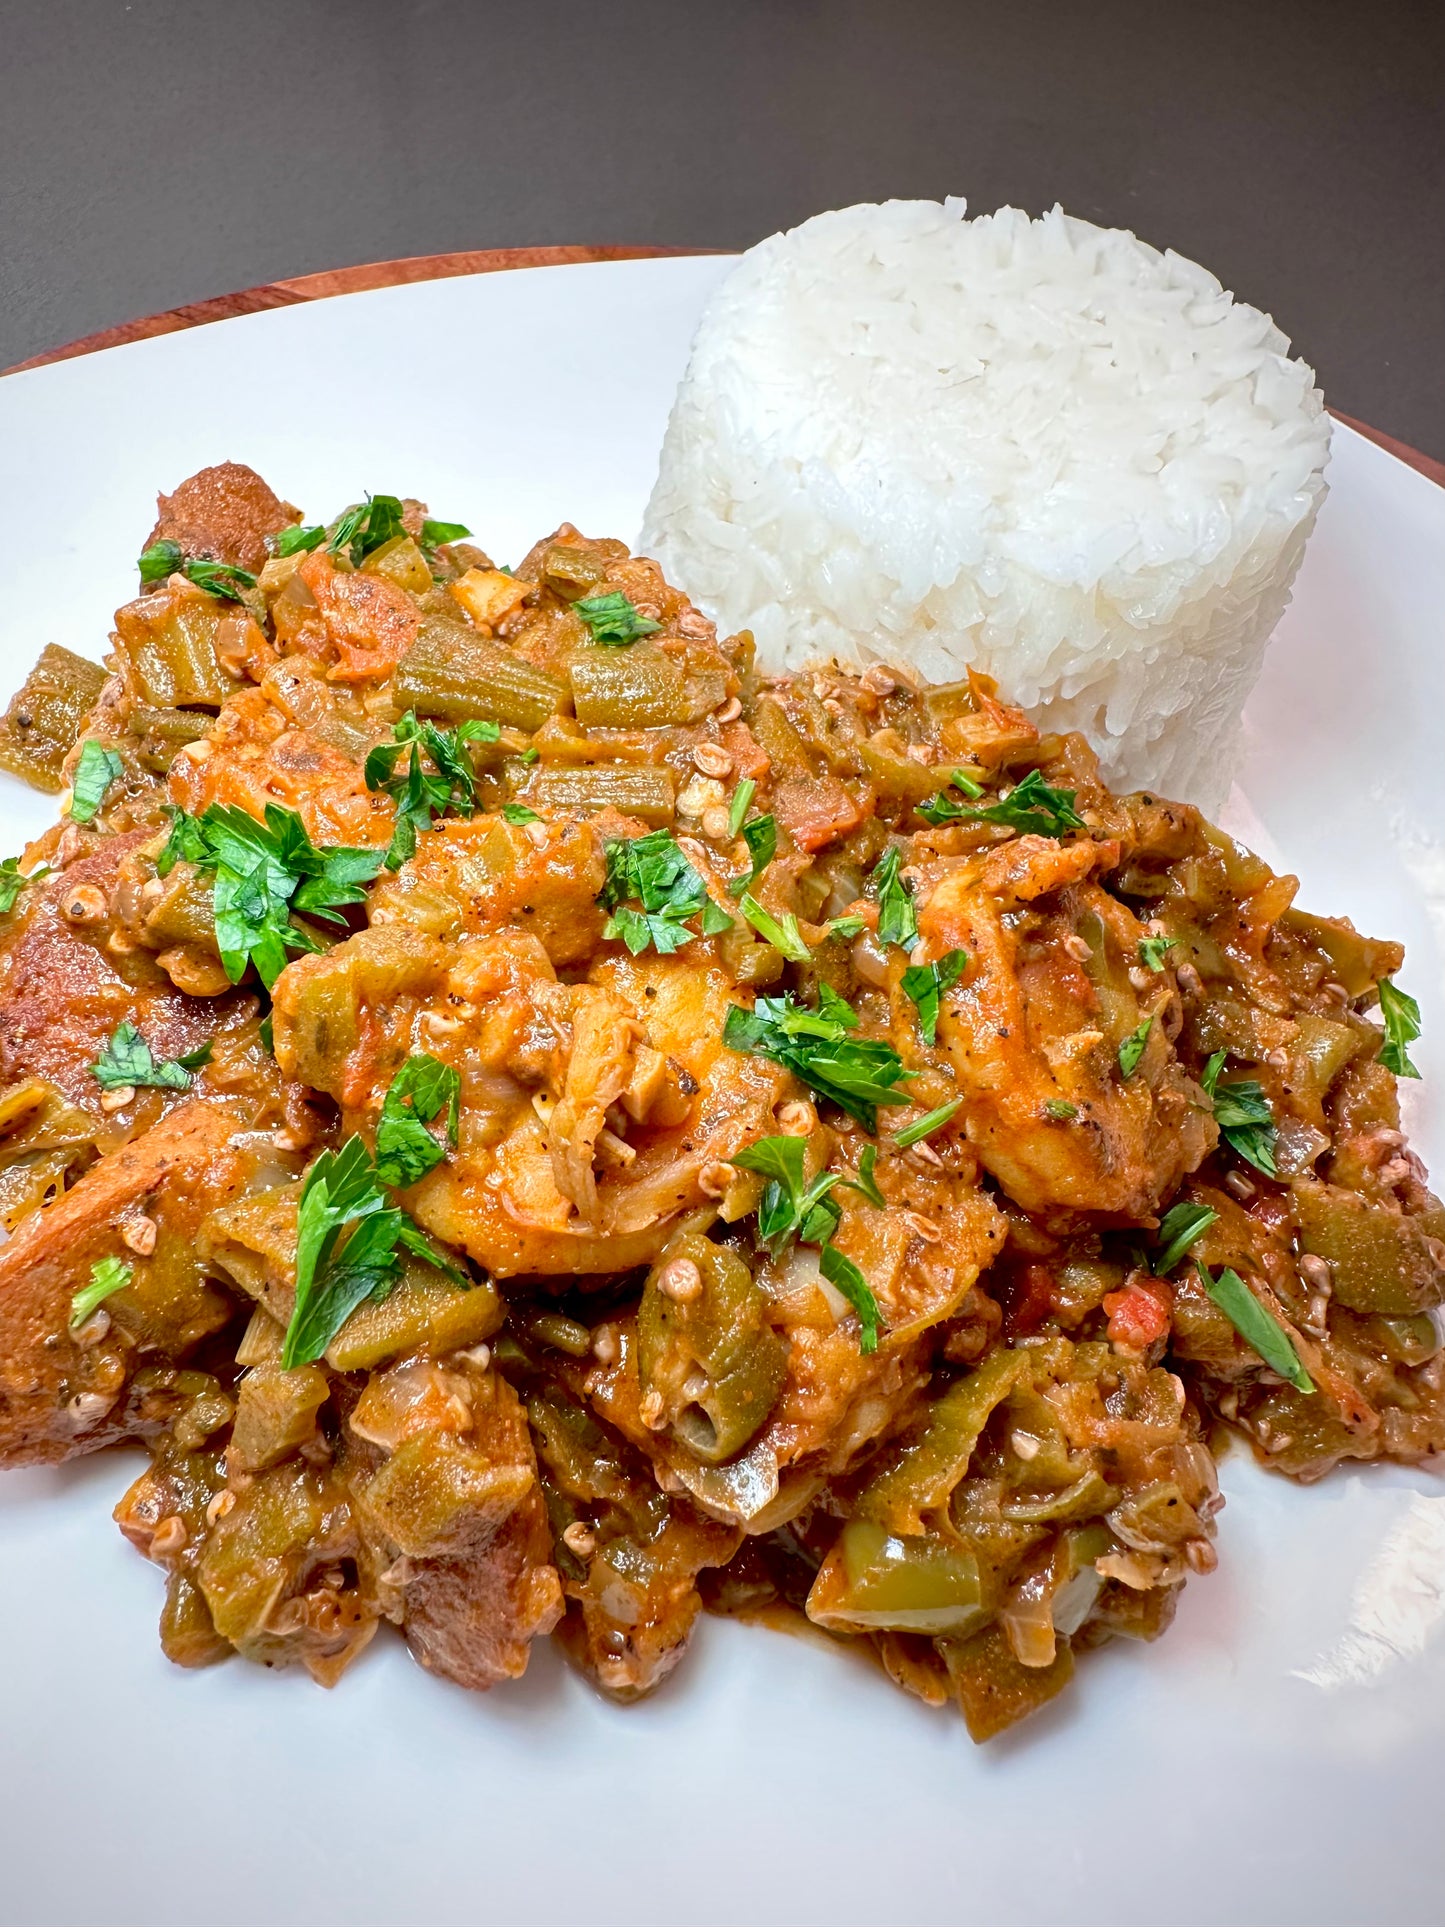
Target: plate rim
{"points": [[370, 276]]}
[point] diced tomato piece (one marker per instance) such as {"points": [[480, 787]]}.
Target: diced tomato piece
{"points": [[1138, 1315]]}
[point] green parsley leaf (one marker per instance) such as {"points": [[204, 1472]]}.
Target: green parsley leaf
{"points": [[715, 920], [761, 837], [412, 1238], [518, 814], [856, 1073], [1060, 1111], [654, 871], [434, 534], [267, 1030], [1032, 807], [1153, 950], [160, 560], [897, 918], [221, 579], [844, 1276], [613, 620], [942, 808], [1182, 1225], [791, 1208], [97, 769], [341, 1196], [107, 1275], [741, 803], [927, 984], [1402, 1026], [339, 1191], [366, 526], [834, 1009], [420, 794], [1257, 1327], [781, 932], [128, 1059], [13, 880], [786, 1201], [1241, 1110], [926, 1125], [1132, 1048], [296, 540], [865, 1184], [405, 1149], [366, 1266], [846, 927], [263, 872], [530, 754]]}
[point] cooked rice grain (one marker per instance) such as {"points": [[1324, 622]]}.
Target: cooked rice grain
{"points": [[1038, 447]]}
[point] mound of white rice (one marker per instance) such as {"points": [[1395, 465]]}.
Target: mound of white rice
{"points": [[1038, 447]]}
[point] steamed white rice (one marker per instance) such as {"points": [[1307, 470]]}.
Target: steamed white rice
{"points": [[1038, 447]]}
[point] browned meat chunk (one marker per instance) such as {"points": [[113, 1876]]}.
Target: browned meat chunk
{"points": [[223, 514], [61, 1391]]}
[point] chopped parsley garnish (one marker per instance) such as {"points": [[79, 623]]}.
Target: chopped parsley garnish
{"points": [[897, 918], [222, 579], [926, 985], [926, 1125], [761, 837], [781, 932], [865, 1184], [518, 813], [366, 526], [434, 534], [1132, 1048], [297, 540], [843, 1275], [791, 1208], [846, 927], [613, 620], [942, 808], [340, 1194], [422, 794], [96, 770], [1402, 1026], [1181, 1226], [1031, 807], [107, 1275], [856, 1073], [1257, 1327], [1153, 950], [1060, 1110], [741, 803], [1241, 1110], [651, 870], [715, 920], [160, 560], [13, 880], [421, 1089], [128, 1059], [264, 872]]}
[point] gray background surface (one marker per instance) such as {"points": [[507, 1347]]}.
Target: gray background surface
{"points": [[157, 152]]}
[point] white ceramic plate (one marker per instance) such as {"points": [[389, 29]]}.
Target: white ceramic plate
{"points": [[1278, 1757]]}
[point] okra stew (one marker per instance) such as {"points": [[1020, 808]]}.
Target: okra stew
{"points": [[537, 1126]]}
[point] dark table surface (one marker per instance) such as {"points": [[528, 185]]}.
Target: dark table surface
{"points": [[158, 152]]}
